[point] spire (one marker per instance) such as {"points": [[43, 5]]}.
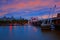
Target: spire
{"points": [[55, 6]]}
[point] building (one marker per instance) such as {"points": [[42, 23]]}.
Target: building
{"points": [[58, 15], [5, 18], [56, 22]]}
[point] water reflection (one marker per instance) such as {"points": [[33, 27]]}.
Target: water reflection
{"points": [[51, 35], [10, 27], [35, 29], [27, 32]]}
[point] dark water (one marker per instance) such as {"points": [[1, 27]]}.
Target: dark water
{"points": [[27, 33]]}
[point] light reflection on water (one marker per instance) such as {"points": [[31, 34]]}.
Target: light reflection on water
{"points": [[27, 33]]}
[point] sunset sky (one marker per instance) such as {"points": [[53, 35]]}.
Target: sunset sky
{"points": [[29, 8]]}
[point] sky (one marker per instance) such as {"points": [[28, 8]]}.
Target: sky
{"points": [[29, 8]]}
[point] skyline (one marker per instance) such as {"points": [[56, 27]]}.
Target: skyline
{"points": [[29, 8]]}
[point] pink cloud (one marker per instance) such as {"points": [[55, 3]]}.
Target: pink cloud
{"points": [[58, 4], [28, 5]]}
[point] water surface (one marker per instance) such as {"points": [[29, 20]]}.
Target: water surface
{"points": [[27, 33]]}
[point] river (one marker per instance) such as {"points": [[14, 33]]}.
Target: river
{"points": [[27, 32]]}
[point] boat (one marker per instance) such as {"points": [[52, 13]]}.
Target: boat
{"points": [[45, 26]]}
